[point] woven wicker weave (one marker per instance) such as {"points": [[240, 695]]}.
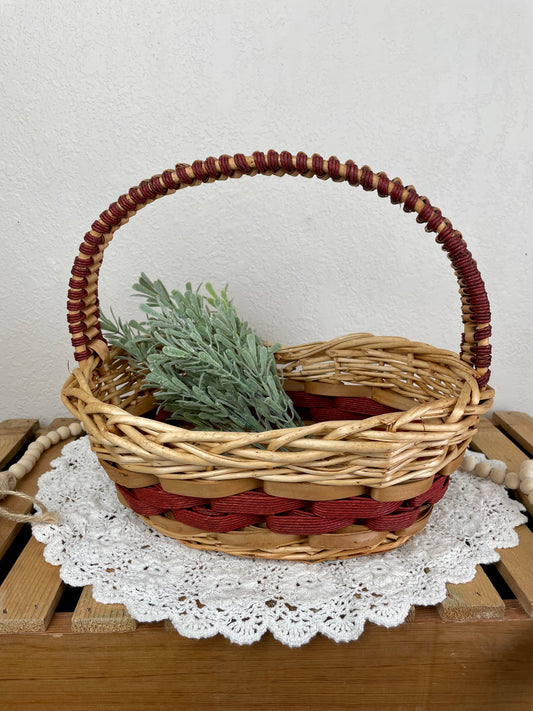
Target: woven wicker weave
{"points": [[353, 484]]}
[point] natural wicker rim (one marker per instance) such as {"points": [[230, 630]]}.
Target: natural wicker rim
{"points": [[170, 452]]}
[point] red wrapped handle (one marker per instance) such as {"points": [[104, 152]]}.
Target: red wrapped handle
{"points": [[83, 314]]}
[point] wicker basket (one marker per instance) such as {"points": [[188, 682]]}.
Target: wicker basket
{"points": [[391, 419]]}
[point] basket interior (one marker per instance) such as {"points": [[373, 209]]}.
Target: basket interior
{"points": [[333, 383]]}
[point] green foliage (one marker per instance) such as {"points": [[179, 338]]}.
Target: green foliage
{"points": [[205, 364]]}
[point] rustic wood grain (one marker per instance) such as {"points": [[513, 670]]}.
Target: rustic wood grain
{"points": [[494, 444], [30, 593], [411, 614], [516, 567], [518, 425], [92, 616], [424, 665], [476, 600], [13, 436]]}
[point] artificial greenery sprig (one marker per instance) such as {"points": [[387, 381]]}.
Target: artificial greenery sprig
{"points": [[205, 365]]}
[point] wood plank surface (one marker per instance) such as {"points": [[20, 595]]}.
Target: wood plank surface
{"points": [[425, 665], [495, 445], [92, 616], [476, 600], [28, 485], [30, 593], [518, 425], [516, 568], [13, 436]]}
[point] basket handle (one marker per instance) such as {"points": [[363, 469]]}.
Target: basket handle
{"points": [[83, 313]]}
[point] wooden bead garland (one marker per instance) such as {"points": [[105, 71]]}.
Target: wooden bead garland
{"points": [[497, 473], [9, 478], [35, 449]]}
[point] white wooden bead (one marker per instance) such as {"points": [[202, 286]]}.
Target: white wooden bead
{"points": [[526, 469], [497, 475], [526, 486], [483, 469], [526, 483], [36, 447], [75, 429], [17, 470], [530, 498], [469, 463], [28, 461], [63, 432], [44, 440], [53, 437], [512, 480], [24, 464]]}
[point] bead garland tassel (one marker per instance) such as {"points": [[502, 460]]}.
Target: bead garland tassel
{"points": [[10, 477]]}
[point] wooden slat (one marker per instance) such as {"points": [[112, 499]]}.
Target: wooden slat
{"points": [[28, 485], [516, 564], [92, 616], [476, 600], [518, 425], [13, 436], [30, 593], [516, 568], [424, 665], [494, 444], [411, 614]]}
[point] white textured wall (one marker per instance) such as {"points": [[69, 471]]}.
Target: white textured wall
{"points": [[99, 95]]}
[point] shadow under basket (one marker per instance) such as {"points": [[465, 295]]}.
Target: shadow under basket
{"points": [[386, 420]]}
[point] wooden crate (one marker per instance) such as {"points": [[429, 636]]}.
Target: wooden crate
{"points": [[62, 650]]}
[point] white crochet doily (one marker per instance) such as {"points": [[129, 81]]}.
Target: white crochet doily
{"points": [[99, 542]]}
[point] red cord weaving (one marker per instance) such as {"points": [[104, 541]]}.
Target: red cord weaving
{"points": [[282, 515]]}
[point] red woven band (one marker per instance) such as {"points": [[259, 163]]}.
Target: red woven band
{"points": [[289, 516], [324, 408]]}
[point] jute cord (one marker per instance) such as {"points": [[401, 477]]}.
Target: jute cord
{"points": [[9, 478]]}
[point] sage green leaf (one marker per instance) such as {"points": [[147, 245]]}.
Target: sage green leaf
{"points": [[202, 362]]}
